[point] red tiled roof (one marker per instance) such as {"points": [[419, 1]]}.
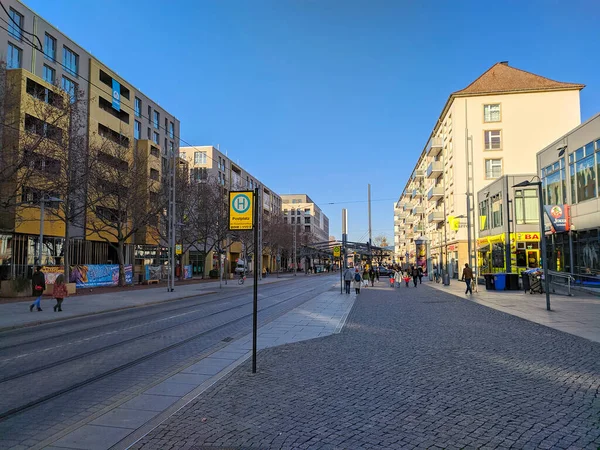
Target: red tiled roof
{"points": [[501, 78]]}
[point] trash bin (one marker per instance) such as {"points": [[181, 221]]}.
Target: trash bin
{"points": [[489, 281], [525, 279], [500, 281], [512, 282], [446, 279]]}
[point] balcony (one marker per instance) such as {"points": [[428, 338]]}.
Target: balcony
{"points": [[402, 215], [411, 219], [416, 193], [435, 193], [436, 217], [434, 146], [434, 169], [419, 228], [419, 173], [418, 210], [398, 221]]}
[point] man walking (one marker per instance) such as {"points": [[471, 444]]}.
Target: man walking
{"points": [[348, 277], [467, 277]]}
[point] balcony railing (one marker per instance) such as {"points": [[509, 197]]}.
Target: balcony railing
{"points": [[434, 146], [418, 210], [434, 169], [436, 217], [436, 192]]}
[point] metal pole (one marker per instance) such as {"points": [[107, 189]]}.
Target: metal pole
{"points": [[255, 287], [369, 198], [571, 257], [42, 217], [173, 219], [507, 250], [294, 252], [543, 249]]}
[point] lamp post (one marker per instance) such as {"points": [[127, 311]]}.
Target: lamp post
{"points": [[542, 235]]}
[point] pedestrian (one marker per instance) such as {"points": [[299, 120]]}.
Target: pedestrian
{"points": [[365, 277], [420, 274], [398, 277], [372, 276], [467, 277], [415, 275], [38, 282], [357, 281], [348, 277], [377, 274], [392, 279], [406, 280], [59, 292]]}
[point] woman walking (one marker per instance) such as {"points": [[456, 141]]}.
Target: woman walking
{"points": [[415, 275], [59, 292], [365, 277], [38, 281], [398, 277], [357, 281]]}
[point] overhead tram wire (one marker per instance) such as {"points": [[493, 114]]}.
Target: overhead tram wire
{"points": [[20, 27]]}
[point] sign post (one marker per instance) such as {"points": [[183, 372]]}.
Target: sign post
{"points": [[243, 215], [337, 253]]}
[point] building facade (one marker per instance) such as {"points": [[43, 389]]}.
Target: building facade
{"points": [[301, 211], [206, 162], [509, 226], [493, 127], [39, 55], [569, 169]]}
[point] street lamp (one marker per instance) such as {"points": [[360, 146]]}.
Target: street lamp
{"points": [[542, 235]]}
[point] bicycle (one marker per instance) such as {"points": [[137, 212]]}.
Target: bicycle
{"points": [[242, 279]]}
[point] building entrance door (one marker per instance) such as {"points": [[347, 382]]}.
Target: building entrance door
{"points": [[533, 258]]}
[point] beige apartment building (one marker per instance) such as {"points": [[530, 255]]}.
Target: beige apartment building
{"points": [[207, 161], [300, 210], [494, 126]]}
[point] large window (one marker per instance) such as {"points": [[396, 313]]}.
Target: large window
{"points": [[526, 206], [71, 61], [70, 88], [14, 58], [493, 139], [49, 74], [555, 183], [138, 107], [491, 113], [15, 24], [171, 130], [156, 120], [155, 138], [199, 157], [496, 202], [137, 130], [493, 168], [483, 215], [582, 169], [49, 48]]}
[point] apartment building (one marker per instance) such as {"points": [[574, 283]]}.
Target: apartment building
{"points": [[569, 169], [108, 108], [493, 127], [305, 214], [209, 162]]}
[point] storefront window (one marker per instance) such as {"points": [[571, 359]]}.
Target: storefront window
{"points": [[554, 179], [587, 251], [586, 179], [526, 206]]}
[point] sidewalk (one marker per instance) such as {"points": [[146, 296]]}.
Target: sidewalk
{"points": [[15, 315], [578, 315]]}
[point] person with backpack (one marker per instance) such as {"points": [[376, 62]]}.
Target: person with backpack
{"points": [[415, 274], [38, 283], [59, 292], [420, 274], [357, 281], [348, 277]]}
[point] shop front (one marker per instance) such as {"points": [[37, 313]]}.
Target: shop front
{"points": [[524, 252]]}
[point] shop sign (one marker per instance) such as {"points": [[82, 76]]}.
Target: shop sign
{"points": [[528, 236], [559, 217]]}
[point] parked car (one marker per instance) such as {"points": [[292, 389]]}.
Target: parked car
{"points": [[384, 271]]}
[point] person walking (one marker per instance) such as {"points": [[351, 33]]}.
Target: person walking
{"points": [[59, 292], [467, 277], [372, 276], [415, 274], [377, 273], [348, 277], [420, 274], [365, 277], [38, 282], [357, 281], [398, 277]]}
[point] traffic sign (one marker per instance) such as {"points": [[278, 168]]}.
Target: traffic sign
{"points": [[178, 249], [337, 251], [240, 210]]}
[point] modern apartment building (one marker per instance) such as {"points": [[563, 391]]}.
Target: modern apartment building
{"points": [[208, 162], [492, 127], [299, 210], [569, 169], [109, 108]]}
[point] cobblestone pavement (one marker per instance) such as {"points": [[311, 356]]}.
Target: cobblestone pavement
{"points": [[413, 368]]}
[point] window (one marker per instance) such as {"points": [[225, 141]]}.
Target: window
{"points": [[154, 151], [492, 140], [14, 58], [149, 114], [307, 220], [307, 228], [526, 206], [172, 149], [171, 130], [42, 93], [496, 208], [137, 130], [483, 215], [113, 136], [491, 113], [149, 133], [49, 74], [154, 174], [582, 169], [293, 220], [199, 157], [137, 105], [493, 168], [199, 174], [555, 183], [166, 145], [49, 48], [71, 61], [44, 129], [15, 24], [156, 120], [155, 138], [70, 88]]}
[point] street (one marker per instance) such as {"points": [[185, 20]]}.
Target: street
{"points": [[412, 368], [56, 375]]}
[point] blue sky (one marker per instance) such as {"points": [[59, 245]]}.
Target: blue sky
{"points": [[324, 96]]}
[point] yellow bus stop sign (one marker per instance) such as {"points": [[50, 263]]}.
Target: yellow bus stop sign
{"points": [[240, 210], [337, 251]]}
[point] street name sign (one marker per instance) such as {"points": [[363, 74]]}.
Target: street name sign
{"points": [[240, 210]]}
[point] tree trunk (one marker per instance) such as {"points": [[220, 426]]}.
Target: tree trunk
{"points": [[121, 256], [66, 251]]}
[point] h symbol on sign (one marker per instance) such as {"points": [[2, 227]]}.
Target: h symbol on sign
{"points": [[241, 203]]}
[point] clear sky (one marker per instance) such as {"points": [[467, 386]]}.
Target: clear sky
{"points": [[324, 96]]}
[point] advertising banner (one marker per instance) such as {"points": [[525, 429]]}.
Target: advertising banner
{"points": [[51, 272], [422, 257], [187, 272], [153, 272], [559, 217], [99, 275], [116, 95]]}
